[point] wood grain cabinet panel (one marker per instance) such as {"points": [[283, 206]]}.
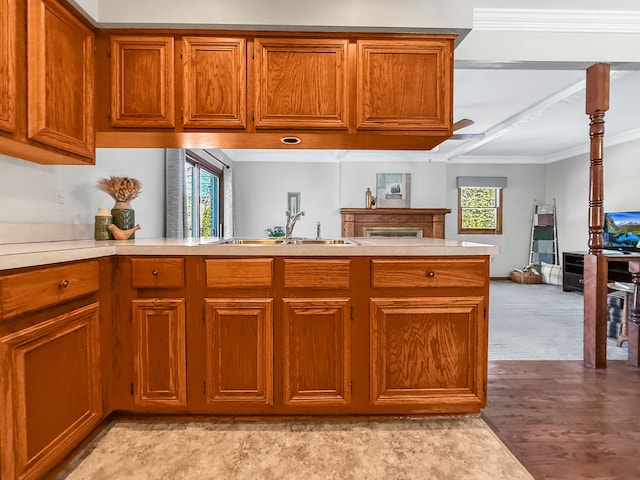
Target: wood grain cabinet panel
{"points": [[29, 291], [405, 85], [160, 365], [427, 349], [50, 391], [239, 272], [443, 272], [239, 351], [8, 52], [142, 81], [158, 272], [317, 351], [215, 82], [317, 273], [60, 60], [301, 83]]}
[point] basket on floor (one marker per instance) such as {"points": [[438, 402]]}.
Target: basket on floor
{"points": [[525, 275]]}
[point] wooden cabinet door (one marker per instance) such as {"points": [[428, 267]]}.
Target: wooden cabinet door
{"points": [[50, 391], [301, 83], [8, 47], [142, 82], [215, 82], [405, 85], [317, 351], [239, 351], [424, 350], [60, 61], [160, 365]]}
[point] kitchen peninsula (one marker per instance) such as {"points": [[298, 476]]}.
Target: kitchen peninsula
{"points": [[380, 326]]}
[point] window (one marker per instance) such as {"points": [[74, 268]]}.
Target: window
{"points": [[203, 189], [480, 210]]}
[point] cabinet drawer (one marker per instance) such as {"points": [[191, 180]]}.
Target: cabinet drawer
{"points": [[316, 273], [157, 272], [239, 272], [429, 273], [25, 292]]}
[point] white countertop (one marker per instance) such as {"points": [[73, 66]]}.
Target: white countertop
{"points": [[18, 255]]}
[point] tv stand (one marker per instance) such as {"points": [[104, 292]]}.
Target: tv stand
{"points": [[573, 269]]}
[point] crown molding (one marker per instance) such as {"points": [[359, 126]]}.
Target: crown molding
{"points": [[555, 20]]}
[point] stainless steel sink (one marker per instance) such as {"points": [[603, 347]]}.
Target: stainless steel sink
{"points": [[289, 241]]}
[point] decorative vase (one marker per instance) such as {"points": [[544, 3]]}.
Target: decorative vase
{"points": [[101, 229], [124, 217]]}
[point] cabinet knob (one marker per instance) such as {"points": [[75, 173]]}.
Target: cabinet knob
{"points": [[155, 273], [431, 274], [64, 284]]}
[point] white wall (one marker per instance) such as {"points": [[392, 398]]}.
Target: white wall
{"points": [[325, 187], [568, 181], [261, 196], [525, 183], [31, 192]]}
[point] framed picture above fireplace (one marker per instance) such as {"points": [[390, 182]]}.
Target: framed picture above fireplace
{"points": [[393, 190]]}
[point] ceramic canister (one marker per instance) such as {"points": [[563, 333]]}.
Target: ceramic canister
{"points": [[103, 220]]}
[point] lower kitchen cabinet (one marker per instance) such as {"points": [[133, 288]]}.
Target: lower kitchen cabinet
{"points": [[238, 351], [317, 351], [427, 351], [159, 362], [51, 391]]}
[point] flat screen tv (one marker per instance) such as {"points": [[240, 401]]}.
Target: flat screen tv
{"points": [[622, 231]]}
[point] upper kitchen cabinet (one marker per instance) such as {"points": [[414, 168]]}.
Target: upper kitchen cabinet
{"points": [[60, 66], [142, 81], [405, 85], [301, 83], [215, 77], [8, 47]]}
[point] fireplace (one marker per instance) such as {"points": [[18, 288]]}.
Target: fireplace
{"points": [[393, 222], [392, 232]]}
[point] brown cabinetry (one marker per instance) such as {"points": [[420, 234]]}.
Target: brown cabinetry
{"points": [[317, 351], [238, 334], [316, 332], [404, 85], [142, 81], [50, 365], [8, 66], [432, 309], [239, 351], [46, 83], [447, 333], [214, 82], [158, 332], [301, 83], [159, 361], [60, 64]]}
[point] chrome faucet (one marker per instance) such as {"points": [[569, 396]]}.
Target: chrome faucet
{"points": [[291, 222]]}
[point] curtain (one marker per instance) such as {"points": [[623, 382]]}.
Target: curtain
{"points": [[492, 182], [175, 221]]}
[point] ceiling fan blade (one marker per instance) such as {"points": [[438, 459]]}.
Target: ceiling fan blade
{"points": [[466, 136], [464, 122]]}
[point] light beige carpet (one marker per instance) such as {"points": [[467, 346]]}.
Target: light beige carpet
{"points": [[432, 448]]}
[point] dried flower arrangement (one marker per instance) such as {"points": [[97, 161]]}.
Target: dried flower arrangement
{"points": [[121, 189]]}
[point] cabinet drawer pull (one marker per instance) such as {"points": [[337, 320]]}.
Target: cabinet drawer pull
{"points": [[431, 274], [155, 273], [64, 284]]}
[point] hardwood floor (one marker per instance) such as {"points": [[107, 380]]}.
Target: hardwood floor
{"points": [[565, 421]]}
